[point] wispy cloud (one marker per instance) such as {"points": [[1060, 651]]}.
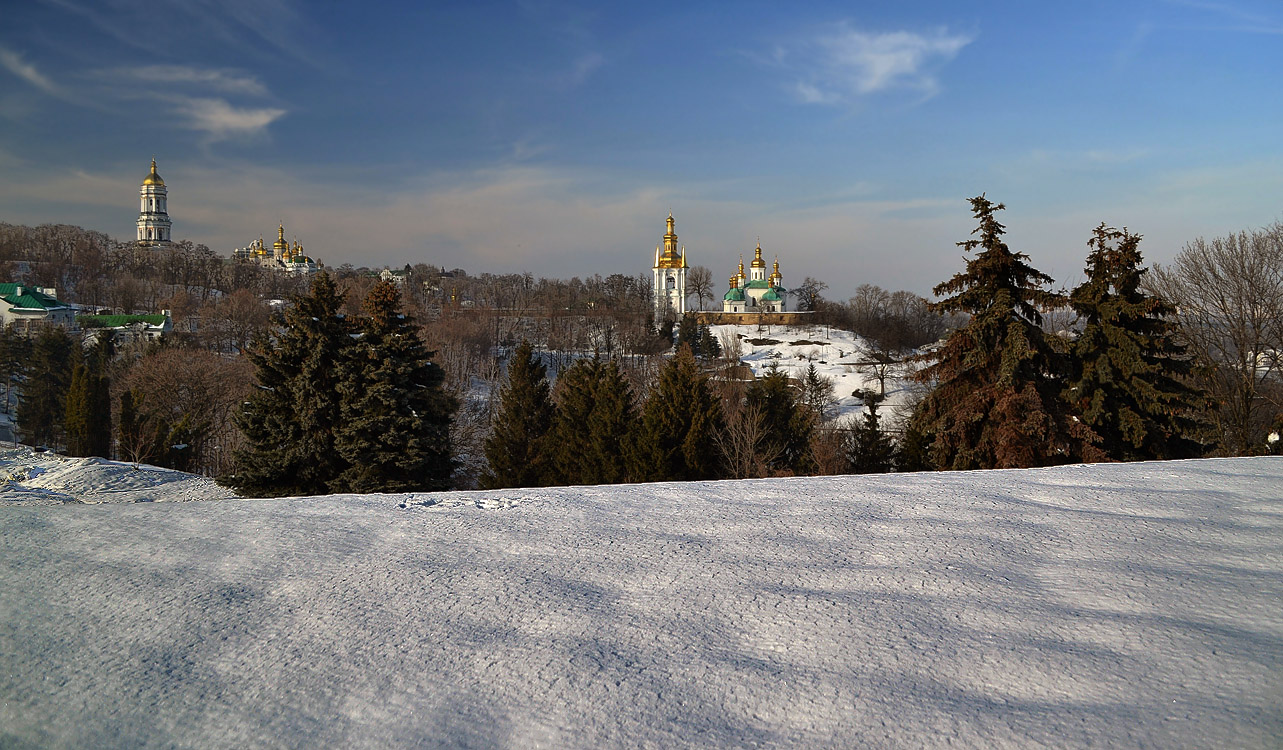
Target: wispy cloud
{"points": [[221, 80], [1239, 19], [220, 120], [15, 64], [852, 63]]}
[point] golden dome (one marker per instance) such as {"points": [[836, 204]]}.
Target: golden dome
{"points": [[153, 178], [757, 257], [280, 243]]}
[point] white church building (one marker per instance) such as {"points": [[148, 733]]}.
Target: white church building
{"points": [[153, 215]]}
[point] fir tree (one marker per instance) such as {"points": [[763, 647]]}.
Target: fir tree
{"points": [[688, 332], [709, 348], [871, 450], [100, 428], [290, 419], [517, 449], [1129, 373], [817, 393], [591, 427], [996, 402], [394, 432], [43, 407], [787, 423], [76, 417], [679, 424]]}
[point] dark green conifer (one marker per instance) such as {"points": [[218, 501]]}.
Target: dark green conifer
{"points": [[676, 439], [1129, 372], [786, 421], [517, 450], [43, 407], [290, 418], [592, 427], [996, 401], [871, 450], [76, 411], [394, 432]]}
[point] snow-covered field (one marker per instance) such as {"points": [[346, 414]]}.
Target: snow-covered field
{"points": [[1131, 605], [841, 356]]}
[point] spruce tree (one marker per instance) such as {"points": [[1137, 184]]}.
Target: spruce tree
{"points": [[1129, 372], [786, 421], [100, 428], [591, 427], [996, 401], [394, 431], [43, 407], [290, 418], [871, 450], [679, 423], [517, 450], [76, 412]]}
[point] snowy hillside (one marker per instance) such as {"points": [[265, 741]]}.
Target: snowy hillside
{"points": [[839, 355], [1105, 606]]}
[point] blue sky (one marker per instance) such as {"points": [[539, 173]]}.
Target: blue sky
{"points": [[554, 137]]}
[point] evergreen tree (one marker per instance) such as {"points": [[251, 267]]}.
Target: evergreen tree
{"points": [[1128, 382], [517, 449], [996, 402], [99, 406], [43, 406], [394, 432], [817, 393], [688, 332], [709, 348], [15, 350], [679, 424], [787, 423], [289, 420], [591, 427], [76, 412], [871, 450]]}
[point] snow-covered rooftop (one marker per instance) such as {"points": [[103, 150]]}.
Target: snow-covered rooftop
{"points": [[1131, 605]]}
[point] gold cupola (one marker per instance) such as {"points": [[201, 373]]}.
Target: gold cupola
{"points": [[775, 274], [672, 255], [757, 257], [153, 178], [280, 243]]}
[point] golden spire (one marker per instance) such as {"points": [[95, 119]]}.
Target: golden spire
{"points": [[153, 178], [757, 256], [741, 273], [280, 243]]}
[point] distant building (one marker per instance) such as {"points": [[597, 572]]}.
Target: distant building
{"points": [[129, 327], [670, 276], [153, 215], [756, 292], [26, 308], [396, 277], [281, 257]]}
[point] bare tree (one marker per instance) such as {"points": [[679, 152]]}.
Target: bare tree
{"points": [[744, 445], [808, 294], [1229, 298], [699, 282]]}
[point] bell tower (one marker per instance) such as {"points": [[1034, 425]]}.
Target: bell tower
{"points": [[153, 213], [670, 276]]}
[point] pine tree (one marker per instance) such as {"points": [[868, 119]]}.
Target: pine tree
{"points": [[76, 412], [290, 419], [394, 432], [99, 413], [676, 438], [709, 348], [1128, 382], [43, 406], [517, 449], [786, 422], [817, 393], [996, 402], [688, 332], [591, 427], [871, 450]]}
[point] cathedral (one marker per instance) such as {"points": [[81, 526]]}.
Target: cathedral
{"points": [[280, 257], [757, 292], [670, 276], [153, 216]]}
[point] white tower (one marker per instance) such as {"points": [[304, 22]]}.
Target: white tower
{"points": [[153, 215], [670, 276]]}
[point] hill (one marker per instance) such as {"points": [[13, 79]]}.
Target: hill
{"points": [[1084, 606]]}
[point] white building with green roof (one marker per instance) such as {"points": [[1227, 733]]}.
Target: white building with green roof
{"points": [[27, 307], [756, 292]]}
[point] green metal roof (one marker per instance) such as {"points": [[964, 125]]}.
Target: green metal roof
{"points": [[758, 284], [734, 295], [118, 321], [771, 296], [30, 299]]}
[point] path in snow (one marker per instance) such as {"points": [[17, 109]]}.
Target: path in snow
{"points": [[1110, 606]]}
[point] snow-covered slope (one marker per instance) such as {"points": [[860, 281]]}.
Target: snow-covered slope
{"points": [[28, 477], [1105, 606]]}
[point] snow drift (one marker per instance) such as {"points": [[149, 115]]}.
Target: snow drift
{"points": [[1121, 605]]}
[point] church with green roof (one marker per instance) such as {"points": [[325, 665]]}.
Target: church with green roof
{"points": [[756, 292]]}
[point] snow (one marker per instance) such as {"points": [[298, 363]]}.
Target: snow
{"points": [[1132, 605], [839, 355], [31, 478]]}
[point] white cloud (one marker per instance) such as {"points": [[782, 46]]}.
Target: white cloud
{"points": [[13, 62], [854, 63], [221, 120], [224, 81]]}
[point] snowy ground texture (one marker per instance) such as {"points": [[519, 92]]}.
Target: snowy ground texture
{"points": [[1131, 605]]}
